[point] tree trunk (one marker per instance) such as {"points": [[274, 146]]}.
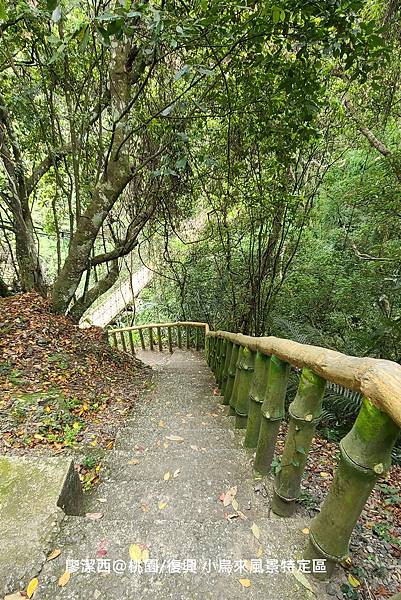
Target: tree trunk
{"points": [[116, 176], [100, 287]]}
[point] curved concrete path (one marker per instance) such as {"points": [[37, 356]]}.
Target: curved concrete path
{"points": [[161, 496]]}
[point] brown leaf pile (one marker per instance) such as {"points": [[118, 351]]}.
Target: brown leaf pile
{"points": [[45, 354]]}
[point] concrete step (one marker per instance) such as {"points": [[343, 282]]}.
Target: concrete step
{"points": [[212, 545], [194, 465], [206, 405], [34, 492], [146, 440], [181, 500], [158, 417]]}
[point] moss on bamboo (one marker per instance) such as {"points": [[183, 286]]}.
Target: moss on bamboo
{"points": [[242, 383], [221, 362], [365, 456], [151, 342], [305, 413], [256, 395], [231, 374], [226, 367], [131, 341], [272, 412], [142, 339], [246, 368]]}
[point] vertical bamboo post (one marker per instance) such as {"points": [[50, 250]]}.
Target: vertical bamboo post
{"points": [[170, 340], [272, 413], [256, 395], [142, 339], [159, 339], [131, 341], [231, 374], [197, 344], [216, 355], [188, 332], [246, 368], [151, 338], [220, 366], [365, 456], [115, 342], [122, 337], [179, 336], [209, 341], [224, 378], [234, 394], [305, 412]]}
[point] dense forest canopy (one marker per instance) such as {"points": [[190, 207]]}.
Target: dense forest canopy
{"points": [[275, 125]]}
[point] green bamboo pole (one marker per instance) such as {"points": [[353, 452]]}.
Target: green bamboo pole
{"points": [[115, 343], [131, 341], [210, 350], [151, 338], [246, 367], [216, 356], [365, 456], [159, 339], [237, 377], [256, 395], [305, 412], [170, 340], [231, 374], [220, 366], [226, 366], [207, 348], [197, 344], [272, 413], [188, 338], [142, 339], [123, 341], [179, 336]]}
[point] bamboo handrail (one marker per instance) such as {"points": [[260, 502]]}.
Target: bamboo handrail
{"points": [[176, 324], [377, 379]]}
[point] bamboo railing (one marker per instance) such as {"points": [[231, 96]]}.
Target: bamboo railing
{"points": [[252, 374], [188, 334]]}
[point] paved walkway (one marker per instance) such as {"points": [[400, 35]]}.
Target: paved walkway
{"points": [[160, 496]]}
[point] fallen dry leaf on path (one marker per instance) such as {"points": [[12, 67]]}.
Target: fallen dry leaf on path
{"points": [[32, 585], [256, 531], [56, 552], [64, 579], [174, 438]]}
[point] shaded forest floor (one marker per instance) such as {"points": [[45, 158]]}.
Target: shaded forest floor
{"points": [[62, 389]]}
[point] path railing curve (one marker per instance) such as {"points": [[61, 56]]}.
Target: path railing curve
{"points": [[252, 374]]}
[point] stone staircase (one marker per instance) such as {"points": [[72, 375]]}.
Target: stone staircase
{"points": [[161, 496]]}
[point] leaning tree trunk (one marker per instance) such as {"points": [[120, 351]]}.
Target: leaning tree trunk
{"points": [[116, 176]]}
